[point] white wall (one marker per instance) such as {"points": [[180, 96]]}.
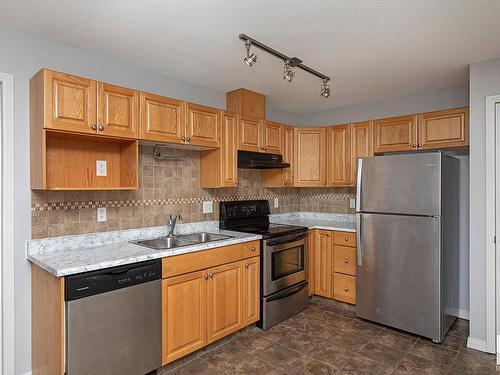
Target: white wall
{"points": [[22, 55], [484, 81], [453, 97]]}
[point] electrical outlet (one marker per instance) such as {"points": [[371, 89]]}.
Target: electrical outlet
{"points": [[208, 207], [276, 203], [101, 214], [352, 203], [101, 168]]}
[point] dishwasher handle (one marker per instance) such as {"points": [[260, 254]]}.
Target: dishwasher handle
{"points": [[101, 281]]}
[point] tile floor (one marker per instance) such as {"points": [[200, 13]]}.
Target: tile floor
{"points": [[328, 339]]}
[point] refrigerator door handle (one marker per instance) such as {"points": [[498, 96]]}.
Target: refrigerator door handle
{"points": [[359, 249], [359, 182]]}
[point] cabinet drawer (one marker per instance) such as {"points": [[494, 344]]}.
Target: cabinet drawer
{"points": [[251, 249], [344, 260], [344, 288], [345, 239], [199, 260]]}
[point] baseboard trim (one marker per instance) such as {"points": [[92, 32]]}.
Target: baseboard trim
{"points": [[476, 344]]}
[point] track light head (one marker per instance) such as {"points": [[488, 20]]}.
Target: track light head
{"points": [[251, 58], [325, 88], [288, 72]]}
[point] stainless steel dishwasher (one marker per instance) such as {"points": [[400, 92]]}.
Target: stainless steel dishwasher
{"points": [[113, 320]]}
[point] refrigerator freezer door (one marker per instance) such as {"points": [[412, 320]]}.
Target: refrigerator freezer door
{"points": [[398, 272], [401, 184]]}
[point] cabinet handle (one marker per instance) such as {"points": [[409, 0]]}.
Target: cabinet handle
{"points": [[188, 139], [94, 127], [211, 275], [205, 277], [246, 265], [253, 248], [419, 146], [346, 239], [346, 289], [414, 145], [346, 261], [101, 128], [183, 139]]}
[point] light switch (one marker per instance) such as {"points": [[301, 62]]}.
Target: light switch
{"points": [[101, 214], [101, 168], [208, 207], [352, 203]]}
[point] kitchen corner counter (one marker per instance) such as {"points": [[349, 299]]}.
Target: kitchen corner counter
{"points": [[317, 220], [63, 256]]}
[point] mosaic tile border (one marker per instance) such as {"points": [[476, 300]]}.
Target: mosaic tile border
{"points": [[50, 206]]}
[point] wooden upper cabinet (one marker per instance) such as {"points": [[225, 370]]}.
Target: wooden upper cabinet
{"points": [[395, 134], [338, 144], [246, 103], [287, 150], [64, 102], [251, 290], [444, 129], [184, 315], [162, 118], [271, 137], [250, 134], [118, 111], [202, 125], [309, 157], [224, 300], [323, 260], [361, 134]]}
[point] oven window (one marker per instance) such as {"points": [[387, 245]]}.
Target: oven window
{"points": [[287, 262]]}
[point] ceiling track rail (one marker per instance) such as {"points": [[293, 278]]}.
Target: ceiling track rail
{"points": [[283, 57]]}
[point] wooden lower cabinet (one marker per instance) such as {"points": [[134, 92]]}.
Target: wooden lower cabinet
{"points": [[203, 306], [333, 269], [224, 300], [311, 253], [184, 315]]}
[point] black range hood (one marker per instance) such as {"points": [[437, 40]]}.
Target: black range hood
{"points": [[257, 160]]}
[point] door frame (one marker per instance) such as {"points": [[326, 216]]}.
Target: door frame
{"points": [[492, 344], [7, 188]]}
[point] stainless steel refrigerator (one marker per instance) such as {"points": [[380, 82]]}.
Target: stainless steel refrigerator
{"points": [[407, 215]]}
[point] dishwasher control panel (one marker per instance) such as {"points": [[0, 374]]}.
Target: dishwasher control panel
{"points": [[95, 282]]}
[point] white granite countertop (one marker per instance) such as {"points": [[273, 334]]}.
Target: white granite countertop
{"points": [[62, 256], [317, 220]]}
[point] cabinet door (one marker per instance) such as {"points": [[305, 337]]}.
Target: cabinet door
{"points": [[444, 129], [184, 315], [287, 150], [251, 291], [230, 127], [311, 254], [361, 134], [250, 129], [162, 118], [224, 302], [323, 281], [271, 137], [118, 113], [309, 168], [338, 173], [395, 134], [203, 125], [71, 102]]}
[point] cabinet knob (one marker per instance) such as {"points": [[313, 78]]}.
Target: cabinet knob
{"points": [[211, 275], [101, 128], [351, 183], [183, 139], [246, 265], [414, 145], [328, 235], [284, 183], [346, 239], [324, 183], [420, 146], [346, 261], [188, 139], [253, 248], [237, 182], [346, 289], [205, 277], [94, 127]]}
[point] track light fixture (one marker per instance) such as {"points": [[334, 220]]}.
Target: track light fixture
{"points": [[325, 88], [251, 58], [290, 62]]}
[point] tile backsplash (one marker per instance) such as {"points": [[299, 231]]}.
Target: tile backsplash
{"points": [[167, 187]]}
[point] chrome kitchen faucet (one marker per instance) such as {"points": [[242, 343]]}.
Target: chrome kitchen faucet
{"points": [[172, 221]]}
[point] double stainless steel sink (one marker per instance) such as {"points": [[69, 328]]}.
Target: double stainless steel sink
{"points": [[171, 242]]}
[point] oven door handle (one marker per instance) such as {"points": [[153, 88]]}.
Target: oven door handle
{"points": [[285, 245], [287, 239], [287, 292]]}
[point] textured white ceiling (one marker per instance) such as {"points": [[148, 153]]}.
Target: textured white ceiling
{"points": [[373, 49]]}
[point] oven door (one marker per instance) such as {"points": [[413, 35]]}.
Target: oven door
{"points": [[284, 262]]}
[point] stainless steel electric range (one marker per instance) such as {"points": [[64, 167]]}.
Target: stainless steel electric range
{"points": [[284, 258]]}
